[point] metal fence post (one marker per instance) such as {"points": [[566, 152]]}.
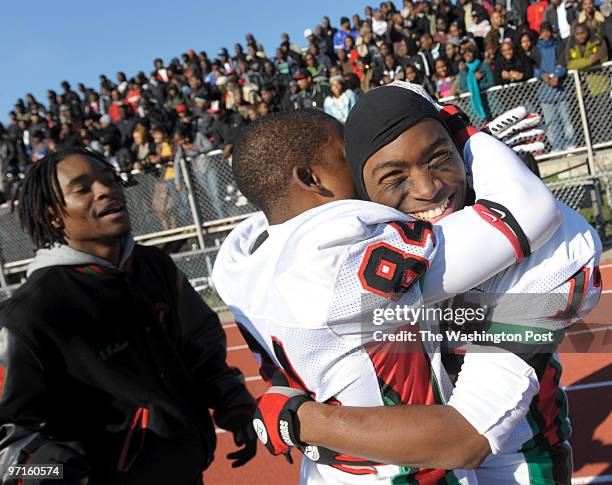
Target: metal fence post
{"points": [[597, 204], [2, 277], [195, 211], [585, 123]]}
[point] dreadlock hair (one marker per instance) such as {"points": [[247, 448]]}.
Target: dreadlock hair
{"points": [[267, 152], [41, 191]]}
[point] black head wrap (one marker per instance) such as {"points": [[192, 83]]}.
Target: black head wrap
{"points": [[378, 118]]}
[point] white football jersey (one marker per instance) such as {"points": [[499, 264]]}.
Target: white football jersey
{"points": [[301, 296], [548, 291], [306, 292]]}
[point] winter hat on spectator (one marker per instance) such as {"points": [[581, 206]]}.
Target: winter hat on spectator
{"points": [[302, 73], [468, 40], [181, 108], [307, 33], [480, 12], [546, 26], [268, 87], [378, 118], [105, 120]]}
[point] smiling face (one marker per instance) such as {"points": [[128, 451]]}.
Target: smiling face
{"points": [[468, 55], [420, 173], [337, 87], [95, 209], [507, 50], [441, 68]]}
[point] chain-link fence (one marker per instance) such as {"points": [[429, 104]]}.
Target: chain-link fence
{"points": [[155, 204], [197, 266], [596, 87], [214, 188], [200, 200], [583, 194], [15, 245]]}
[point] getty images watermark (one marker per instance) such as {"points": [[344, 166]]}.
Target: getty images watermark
{"points": [[475, 321]]}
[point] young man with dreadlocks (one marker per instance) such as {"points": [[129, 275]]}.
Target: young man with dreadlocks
{"points": [[112, 360]]}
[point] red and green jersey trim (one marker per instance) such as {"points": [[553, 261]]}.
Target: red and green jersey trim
{"points": [[548, 454], [404, 377], [548, 414], [551, 466]]}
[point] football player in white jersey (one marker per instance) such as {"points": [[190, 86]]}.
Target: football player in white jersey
{"points": [[299, 276], [536, 451]]}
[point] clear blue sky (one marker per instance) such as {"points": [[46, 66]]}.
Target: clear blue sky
{"points": [[43, 42]]}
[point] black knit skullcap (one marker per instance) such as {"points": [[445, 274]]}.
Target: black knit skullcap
{"points": [[378, 118]]}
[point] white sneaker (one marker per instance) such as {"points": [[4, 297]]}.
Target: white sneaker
{"points": [[507, 119]]}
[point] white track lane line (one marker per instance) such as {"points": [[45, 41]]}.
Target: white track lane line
{"points": [[229, 325], [237, 347], [577, 387], [606, 266], [594, 479], [578, 332], [591, 385]]}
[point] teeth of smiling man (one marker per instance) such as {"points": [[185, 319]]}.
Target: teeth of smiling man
{"points": [[431, 213]]}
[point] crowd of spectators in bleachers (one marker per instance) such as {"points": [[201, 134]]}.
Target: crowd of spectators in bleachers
{"points": [[196, 103]]}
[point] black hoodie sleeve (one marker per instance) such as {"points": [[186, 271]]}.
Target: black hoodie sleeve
{"points": [[206, 352], [23, 397]]}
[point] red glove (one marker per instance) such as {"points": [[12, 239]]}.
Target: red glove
{"points": [[276, 422], [278, 428], [458, 124]]}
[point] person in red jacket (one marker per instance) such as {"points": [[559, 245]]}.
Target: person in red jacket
{"points": [[114, 110], [535, 14], [133, 96]]}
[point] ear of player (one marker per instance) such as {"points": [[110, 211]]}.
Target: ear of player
{"points": [[276, 422]]}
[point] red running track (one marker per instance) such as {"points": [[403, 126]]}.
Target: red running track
{"points": [[588, 377]]}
